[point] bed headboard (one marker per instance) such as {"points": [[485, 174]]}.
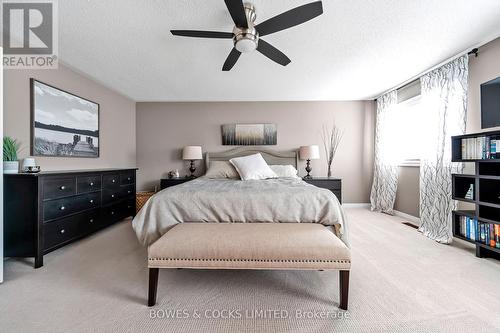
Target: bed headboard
{"points": [[271, 156]]}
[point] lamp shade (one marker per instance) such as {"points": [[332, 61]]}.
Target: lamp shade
{"points": [[309, 152], [192, 153]]}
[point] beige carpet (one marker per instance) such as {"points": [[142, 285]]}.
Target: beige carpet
{"points": [[400, 282]]}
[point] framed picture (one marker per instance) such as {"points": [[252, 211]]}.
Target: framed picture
{"points": [[249, 134], [62, 124]]}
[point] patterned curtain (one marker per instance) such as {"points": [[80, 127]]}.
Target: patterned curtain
{"points": [[385, 176], [444, 98]]}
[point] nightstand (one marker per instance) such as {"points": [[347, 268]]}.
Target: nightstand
{"points": [[332, 184], [167, 182]]}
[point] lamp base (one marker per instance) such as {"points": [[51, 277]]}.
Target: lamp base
{"points": [[308, 170], [192, 169]]}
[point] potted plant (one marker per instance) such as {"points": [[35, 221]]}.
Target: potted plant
{"points": [[10, 150]]}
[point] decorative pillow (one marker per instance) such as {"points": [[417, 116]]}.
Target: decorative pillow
{"points": [[222, 169], [252, 167], [284, 171]]}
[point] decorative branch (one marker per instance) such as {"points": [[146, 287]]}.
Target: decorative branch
{"points": [[331, 140]]}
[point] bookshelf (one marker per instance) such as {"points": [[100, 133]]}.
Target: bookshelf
{"points": [[481, 225]]}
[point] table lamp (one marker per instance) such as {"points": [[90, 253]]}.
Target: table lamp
{"points": [[308, 153], [192, 153]]}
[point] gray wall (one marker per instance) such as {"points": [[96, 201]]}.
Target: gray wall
{"points": [[164, 128], [481, 69], [117, 139]]}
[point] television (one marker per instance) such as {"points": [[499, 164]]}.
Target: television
{"points": [[490, 103]]}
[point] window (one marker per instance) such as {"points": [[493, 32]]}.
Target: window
{"points": [[407, 125]]}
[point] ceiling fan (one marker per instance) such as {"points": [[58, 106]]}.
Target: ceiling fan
{"points": [[246, 35]]}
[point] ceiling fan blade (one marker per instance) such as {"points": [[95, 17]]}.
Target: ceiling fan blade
{"points": [[290, 18], [231, 59], [237, 12], [272, 53], [202, 34]]}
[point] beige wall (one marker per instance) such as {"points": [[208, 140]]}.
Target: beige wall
{"points": [[117, 139], [408, 195], [164, 128], [481, 69]]}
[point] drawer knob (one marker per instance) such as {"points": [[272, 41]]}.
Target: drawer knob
{"points": [[91, 184], [62, 188], [91, 220], [128, 192], [113, 181], [63, 231], [129, 178], [112, 213], [63, 208], [112, 195], [129, 207], [91, 200]]}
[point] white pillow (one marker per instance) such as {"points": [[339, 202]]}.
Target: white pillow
{"points": [[252, 167], [284, 171], [222, 169]]}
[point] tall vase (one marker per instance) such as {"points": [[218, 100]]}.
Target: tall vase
{"points": [[329, 173]]}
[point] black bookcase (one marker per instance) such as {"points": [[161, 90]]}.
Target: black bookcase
{"points": [[485, 184]]}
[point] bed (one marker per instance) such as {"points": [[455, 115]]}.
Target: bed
{"points": [[284, 200], [281, 223]]}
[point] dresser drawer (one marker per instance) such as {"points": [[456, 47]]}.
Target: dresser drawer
{"points": [[111, 181], [118, 211], [62, 207], [86, 184], [328, 184], [58, 187], [63, 230], [127, 190], [127, 177], [111, 195]]}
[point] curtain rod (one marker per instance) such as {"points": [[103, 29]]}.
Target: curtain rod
{"points": [[474, 51]]}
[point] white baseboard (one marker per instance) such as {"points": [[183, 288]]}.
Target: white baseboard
{"points": [[356, 205], [412, 219]]}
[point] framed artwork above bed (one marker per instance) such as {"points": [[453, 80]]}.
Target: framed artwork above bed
{"points": [[62, 124], [249, 134]]}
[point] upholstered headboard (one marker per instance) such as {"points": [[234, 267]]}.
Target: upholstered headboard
{"points": [[271, 156]]}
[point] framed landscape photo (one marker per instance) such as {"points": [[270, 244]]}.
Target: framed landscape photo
{"points": [[63, 124]]}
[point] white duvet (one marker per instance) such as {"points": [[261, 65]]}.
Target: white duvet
{"points": [[282, 200]]}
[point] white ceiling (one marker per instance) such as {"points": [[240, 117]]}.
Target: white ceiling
{"points": [[355, 50]]}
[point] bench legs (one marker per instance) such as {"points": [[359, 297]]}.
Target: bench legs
{"points": [[153, 285], [343, 282], [344, 289]]}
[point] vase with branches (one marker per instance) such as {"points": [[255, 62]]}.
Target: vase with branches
{"points": [[332, 136]]}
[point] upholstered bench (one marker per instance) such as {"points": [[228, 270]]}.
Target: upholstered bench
{"points": [[287, 246]]}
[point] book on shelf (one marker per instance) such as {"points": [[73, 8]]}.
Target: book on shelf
{"points": [[476, 231], [481, 148], [470, 192]]}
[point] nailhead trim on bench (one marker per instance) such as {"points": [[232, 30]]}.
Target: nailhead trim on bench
{"points": [[255, 260]]}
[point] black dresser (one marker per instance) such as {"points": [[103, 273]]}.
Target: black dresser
{"points": [[45, 211], [332, 184]]}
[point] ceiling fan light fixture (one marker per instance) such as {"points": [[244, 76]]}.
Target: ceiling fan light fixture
{"points": [[246, 45], [245, 40]]}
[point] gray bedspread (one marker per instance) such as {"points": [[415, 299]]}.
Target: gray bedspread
{"points": [[284, 200]]}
